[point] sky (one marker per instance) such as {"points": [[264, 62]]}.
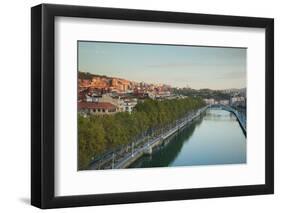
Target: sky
{"points": [[179, 66]]}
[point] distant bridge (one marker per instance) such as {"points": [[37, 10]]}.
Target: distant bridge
{"points": [[118, 161], [241, 119]]}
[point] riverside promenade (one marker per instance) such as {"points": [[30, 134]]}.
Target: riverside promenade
{"points": [[122, 159], [147, 148]]}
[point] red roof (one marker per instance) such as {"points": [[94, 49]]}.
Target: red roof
{"points": [[95, 105]]}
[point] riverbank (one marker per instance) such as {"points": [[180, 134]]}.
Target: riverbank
{"points": [[214, 138], [241, 119], [148, 147]]}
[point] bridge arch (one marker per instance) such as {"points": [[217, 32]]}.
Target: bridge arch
{"points": [[241, 121]]}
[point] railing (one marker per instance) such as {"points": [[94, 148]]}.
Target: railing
{"points": [[141, 150], [240, 117], [129, 153]]}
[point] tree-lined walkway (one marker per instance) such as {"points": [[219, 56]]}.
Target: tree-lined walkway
{"points": [[107, 138], [123, 158]]}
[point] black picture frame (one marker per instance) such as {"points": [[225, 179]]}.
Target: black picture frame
{"points": [[43, 102]]}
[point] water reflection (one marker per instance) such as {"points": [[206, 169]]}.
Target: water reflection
{"points": [[215, 138]]}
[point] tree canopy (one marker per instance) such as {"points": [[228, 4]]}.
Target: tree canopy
{"points": [[98, 134]]}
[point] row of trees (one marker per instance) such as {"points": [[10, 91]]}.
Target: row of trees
{"points": [[98, 134]]}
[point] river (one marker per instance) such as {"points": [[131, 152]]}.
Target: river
{"points": [[214, 138]]}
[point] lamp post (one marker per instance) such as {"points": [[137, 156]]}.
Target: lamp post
{"points": [[113, 156], [132, 149]]}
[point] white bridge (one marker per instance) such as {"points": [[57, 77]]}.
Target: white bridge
{"points": [[118, 161], [241, 119]]}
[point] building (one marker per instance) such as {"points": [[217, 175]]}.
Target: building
{"points": [[129, 104], [209, 101], [84, 83], [120, 85], [96, 108], [99, 83], [92, 97], [163, 94], [117, 101], [238, 101], [151, 95]]}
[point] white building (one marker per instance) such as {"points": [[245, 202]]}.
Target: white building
{"points": [[129, 104], [237, 99], [224, 102], [92, 98], [209, 101]]}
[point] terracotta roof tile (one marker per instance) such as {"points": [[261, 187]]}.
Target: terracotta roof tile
{"points": [[95, 105]]}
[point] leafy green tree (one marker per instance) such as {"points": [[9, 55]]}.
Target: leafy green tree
{"points": [[91, 137], [98, 134]]}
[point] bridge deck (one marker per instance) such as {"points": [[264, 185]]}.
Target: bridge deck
{"points": [[129, 157], [241, 120]]}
